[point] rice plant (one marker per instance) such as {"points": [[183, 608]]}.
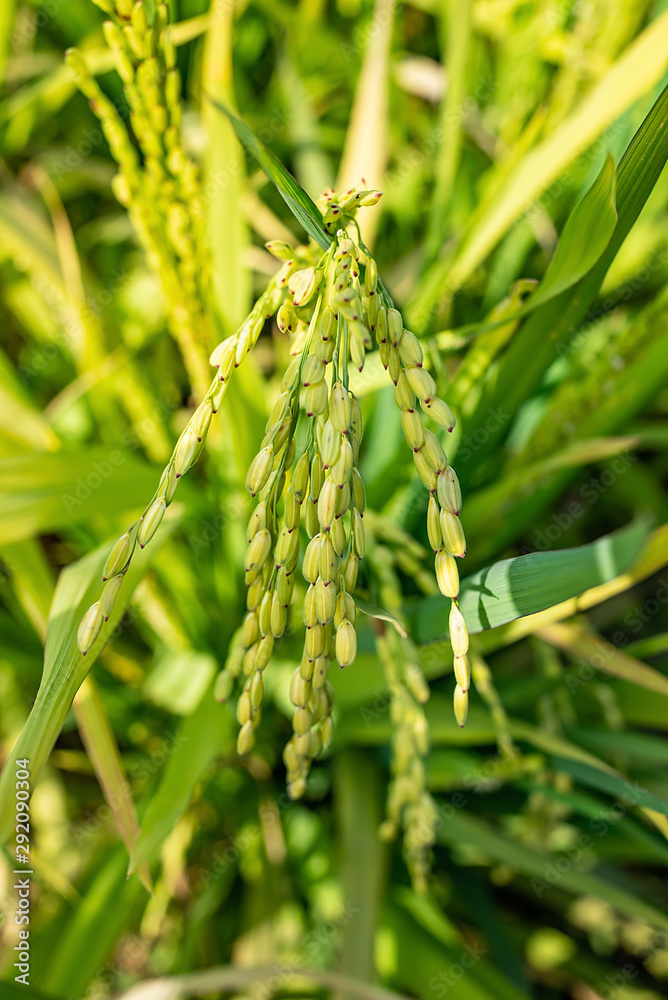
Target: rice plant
{"points": [[303, 305]]}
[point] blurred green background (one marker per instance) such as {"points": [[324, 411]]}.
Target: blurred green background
{"points": [[483, 123]]}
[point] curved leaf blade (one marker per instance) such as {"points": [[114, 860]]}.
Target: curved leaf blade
{"points": [[555, 323], [637, 70], [295, 197], [65, 668], [581, 644], [585, 236], [531, 863], [210, 730], [513, 588], [628, 792], [46, 491], [375, 611], [583, 241]]}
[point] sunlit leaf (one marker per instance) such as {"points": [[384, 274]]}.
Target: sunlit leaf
{"points": [[604, 656], [43, 492], [200, 738], [298, 201], [636, 71], [374, 611], [64, 666], [524, 585]]}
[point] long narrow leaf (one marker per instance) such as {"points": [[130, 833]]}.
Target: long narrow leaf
{"points": [[64, 666], [467, 829], [298, 201], [102, 749], [227, 231], [604, 656], [229, 979], [554, 324], [202, 736], [585, 236], [634, 73], [628, 792], [45, 491], [513, 588]]}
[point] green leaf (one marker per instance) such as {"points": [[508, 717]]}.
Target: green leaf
{"points": [[582, 242], [456, 33], [374, 727], [210, 730], [7, 13], [89, 934], [550, 329], [630, 793], [20, 419], [367, 142], [179, 679], [425, 949], [374, 611], [57, 87], [584, 645], [358, 794], [44, 491], [64, 667], [513, 588], [231, 979], [498, 514], [463, 828], [639, 749], [298, 201], [226, 227], [14, 991], [653, 645], [585, 236], [98, 738], [635, 72]]}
